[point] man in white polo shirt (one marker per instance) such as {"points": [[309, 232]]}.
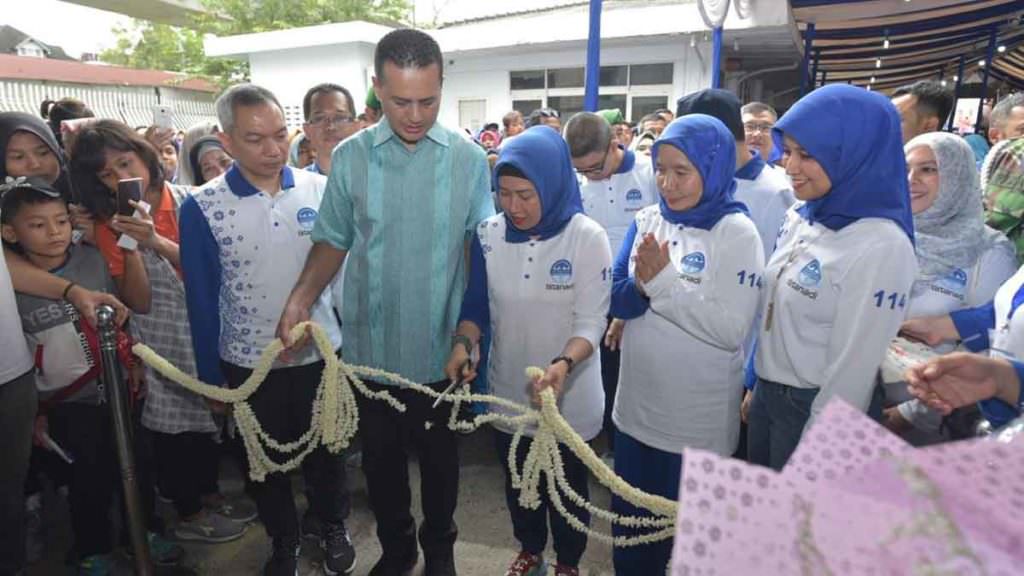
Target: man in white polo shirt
{"points": [[615, 184], [244, 238]]}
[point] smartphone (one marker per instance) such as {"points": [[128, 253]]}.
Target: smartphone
{"points": [[162, 116], [128, 189]]}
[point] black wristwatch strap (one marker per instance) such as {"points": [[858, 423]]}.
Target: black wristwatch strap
{"points": [[464, 341], [568, 362]]}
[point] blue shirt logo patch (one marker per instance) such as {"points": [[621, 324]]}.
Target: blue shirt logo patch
{"points": [[561, 272], [810, 276], [956, 279], [634, 198], [306, 218], [693, 263]]}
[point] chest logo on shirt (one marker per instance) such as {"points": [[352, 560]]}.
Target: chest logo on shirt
{"points": [[808, 279], [692, 265], [953, 284], [634, 200], [560, 275], [306, 218]]}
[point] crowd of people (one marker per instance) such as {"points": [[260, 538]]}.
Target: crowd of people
{"points": [[707, 278]]}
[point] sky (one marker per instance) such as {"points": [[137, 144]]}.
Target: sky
{"points": [[75, 28], [80, 29]]}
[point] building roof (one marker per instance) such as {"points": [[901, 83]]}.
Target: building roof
{"points": [[27, 68], [324, 34], [11, 38]]}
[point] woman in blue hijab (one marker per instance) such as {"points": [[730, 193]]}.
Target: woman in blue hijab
{"points": [[836, 288], [686, 283], [540, 282]]}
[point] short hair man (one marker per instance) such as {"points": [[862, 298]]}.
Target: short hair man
{"points": [[667, 115], [400, 205], [243, 238], [653, 123], [545, 117], [623, 133], [513, 123], [615, 184], [924, 107], [1007, 119], [329, 112], [758, 120], [767, 193]]}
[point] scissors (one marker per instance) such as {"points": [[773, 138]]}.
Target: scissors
{"points": [[454, 383]]}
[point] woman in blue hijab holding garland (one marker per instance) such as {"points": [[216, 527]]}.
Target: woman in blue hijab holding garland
{"points": [[540, 282], [837, 286], [686, 282]]}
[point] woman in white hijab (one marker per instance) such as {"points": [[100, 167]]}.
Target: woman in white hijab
{"points": [[961, 262]]}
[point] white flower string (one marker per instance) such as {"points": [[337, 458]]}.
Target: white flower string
{"points": [[335, 420]]}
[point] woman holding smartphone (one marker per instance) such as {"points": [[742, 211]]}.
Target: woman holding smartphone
{"points": [[108, 161]]}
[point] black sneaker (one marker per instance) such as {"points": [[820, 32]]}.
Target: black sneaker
{"points": [[284, 561], [339, 554], [439, 565]]}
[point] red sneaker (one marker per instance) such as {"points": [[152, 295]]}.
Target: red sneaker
{"points": [[527, 564]]}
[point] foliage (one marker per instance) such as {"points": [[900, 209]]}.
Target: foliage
{"points": [[162, 47]]}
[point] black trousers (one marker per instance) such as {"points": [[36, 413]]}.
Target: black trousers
{"points": [[283, 404], [17, 414], [531, 526], [387, 435], [610, 380], [186, 464]]}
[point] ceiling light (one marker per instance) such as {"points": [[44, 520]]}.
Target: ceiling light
{"points": [[956, 78], [1001, 49], [872, 81], [878, 63], [981, 63], [943, 83], [885, 44]]}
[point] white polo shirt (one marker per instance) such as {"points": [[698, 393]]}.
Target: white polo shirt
{"points": [[14, 357], [768, 195], [250, 247], [541, 293], [615, 201], [836, 299], [681, 372]]}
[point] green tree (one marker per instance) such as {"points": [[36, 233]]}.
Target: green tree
{"points": [[162, 47]]}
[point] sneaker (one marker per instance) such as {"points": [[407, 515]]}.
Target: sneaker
{"points": [[163, 552], [98, 565], [339, 554], [209, 527], [35, 532], [563, 570], [439, 565], [241, 509], [311, 527], [283, 562], [527, 564]]}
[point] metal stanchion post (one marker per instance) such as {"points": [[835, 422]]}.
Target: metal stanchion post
{"points": [[115, 391]]}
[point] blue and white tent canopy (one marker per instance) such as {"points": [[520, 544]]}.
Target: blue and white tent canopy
{"points": [[895, 42]]}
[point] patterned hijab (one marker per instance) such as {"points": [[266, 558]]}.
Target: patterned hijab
{"points": [[951, 233]]}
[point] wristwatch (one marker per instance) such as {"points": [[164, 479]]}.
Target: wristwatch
{"points": [[568, 362], [464, 341]]}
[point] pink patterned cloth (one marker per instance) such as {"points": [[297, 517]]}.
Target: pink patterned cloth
{"points": [[855, 500]]}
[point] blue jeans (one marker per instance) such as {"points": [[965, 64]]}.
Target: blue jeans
{"points": [[778, 414], [655, 472]]}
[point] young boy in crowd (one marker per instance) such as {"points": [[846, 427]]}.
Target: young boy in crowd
{"points": [[72, 414]]}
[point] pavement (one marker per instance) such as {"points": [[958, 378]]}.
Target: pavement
{"points": [[485, 546]]}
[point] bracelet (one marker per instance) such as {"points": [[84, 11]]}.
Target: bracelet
{"points": [[465, 341], [568, 362], [67, 289]]}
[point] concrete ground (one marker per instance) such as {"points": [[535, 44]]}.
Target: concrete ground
{"points": [[485, 546]]}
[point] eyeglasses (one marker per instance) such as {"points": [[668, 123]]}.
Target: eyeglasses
{"points": [[328, 121], [755, 127], [596, 170]]}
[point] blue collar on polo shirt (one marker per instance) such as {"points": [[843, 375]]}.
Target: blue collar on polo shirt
{"points": [[752, 169], [384, 133], [628, 160], [241, 187]]}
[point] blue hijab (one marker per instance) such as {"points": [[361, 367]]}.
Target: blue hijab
{"points": [[542, 156], [711, 148], [856, 137]]}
